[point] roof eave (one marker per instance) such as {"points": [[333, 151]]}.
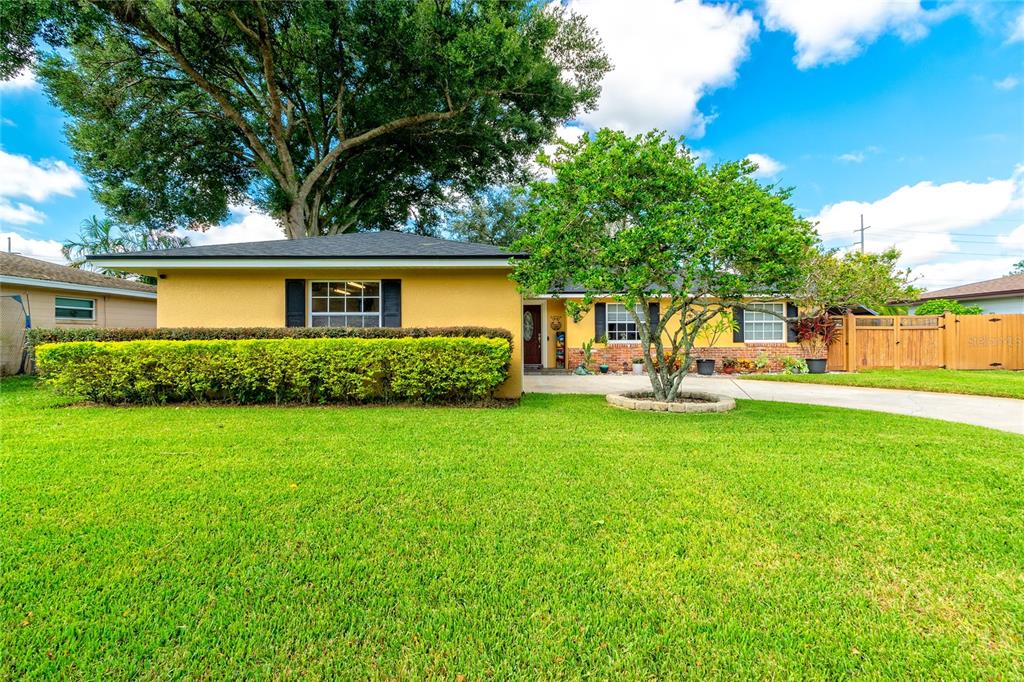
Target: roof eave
{"points": [[75, 286], [152, 263]]}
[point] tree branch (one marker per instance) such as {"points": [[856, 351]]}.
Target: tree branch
{"points": [[139, 21]]}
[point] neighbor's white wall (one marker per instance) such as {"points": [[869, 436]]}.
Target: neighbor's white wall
{"points": [[1004, 305]]}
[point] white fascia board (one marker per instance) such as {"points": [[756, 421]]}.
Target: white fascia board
{"points": [[71, 286], [161, 264]]}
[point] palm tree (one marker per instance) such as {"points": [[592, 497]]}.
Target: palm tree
{"points": [[103, 235]]}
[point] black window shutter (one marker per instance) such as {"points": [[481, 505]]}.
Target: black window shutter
{"points": [[295, 303], [600, 320], [737, 335], [391, 302], [654, 316], [791, 313]]}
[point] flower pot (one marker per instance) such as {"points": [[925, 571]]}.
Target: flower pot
{"points": [[638, 368], [705, 367], [603, 368], [817, 366]]}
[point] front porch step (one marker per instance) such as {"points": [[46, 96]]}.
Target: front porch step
{"points": [[545, 371]]}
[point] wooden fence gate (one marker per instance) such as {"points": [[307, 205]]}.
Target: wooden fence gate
{"points": [[918, 342]]}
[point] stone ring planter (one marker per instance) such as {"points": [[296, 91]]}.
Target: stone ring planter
{"points": [[687, 401]]}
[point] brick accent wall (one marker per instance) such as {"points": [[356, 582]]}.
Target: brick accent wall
{"points": [[618, 356]]}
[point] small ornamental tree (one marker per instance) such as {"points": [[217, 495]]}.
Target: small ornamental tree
{"points": [[639, 218], [834, 284]]}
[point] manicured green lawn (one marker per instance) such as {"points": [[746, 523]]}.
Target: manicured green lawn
{"points": [[996, 382], [553, 539]]}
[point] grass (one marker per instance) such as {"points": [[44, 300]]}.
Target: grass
{"points": [[995, 382], [554, 539]]}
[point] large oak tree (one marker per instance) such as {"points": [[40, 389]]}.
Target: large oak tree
{"points": [[329, 115]]}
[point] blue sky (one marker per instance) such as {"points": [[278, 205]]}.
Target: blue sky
{"points": [[910, 114]]}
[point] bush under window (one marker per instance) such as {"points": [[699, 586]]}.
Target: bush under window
{"points": [[308, 371]]}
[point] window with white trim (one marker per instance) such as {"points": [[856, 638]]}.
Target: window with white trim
{"points": [[74, 308], [761, 324], [619, 324], [344, 304]]}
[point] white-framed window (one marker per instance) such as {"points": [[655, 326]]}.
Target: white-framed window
{"points": [[344, 304], [74, 308], [619, 324], [761, 324]]}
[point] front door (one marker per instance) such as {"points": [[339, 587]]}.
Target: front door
{"points": [[531, 335]]}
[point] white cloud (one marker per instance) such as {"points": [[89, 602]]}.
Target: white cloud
{"points": [[20, 177], [19, 214], [851, 157], [943, 275], [1014, 240], [767, 167], [835, 32], [1008, 83], [665, 56], [23, 80], [1017, 29], [919, 219], [43, 249], [248, 225]]}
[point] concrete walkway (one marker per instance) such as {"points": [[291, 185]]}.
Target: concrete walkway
{"points": [[1004, 414]]}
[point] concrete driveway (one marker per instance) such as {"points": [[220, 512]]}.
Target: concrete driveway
{"points": [[1004, 414]]}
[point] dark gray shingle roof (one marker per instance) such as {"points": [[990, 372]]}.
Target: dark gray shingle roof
{"points": [[354, 245], [15, 265]]}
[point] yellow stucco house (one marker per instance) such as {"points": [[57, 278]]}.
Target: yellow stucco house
{"points": [[393, 279]]}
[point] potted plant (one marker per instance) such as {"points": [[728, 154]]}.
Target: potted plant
{"points": [[638, 365], [712, 332], [815, 334], [588, 350], [603, 367], [729, 365]]}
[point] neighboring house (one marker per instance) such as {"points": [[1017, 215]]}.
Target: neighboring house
{"points": [[1003, 295], [59, 296], [394, 279]]}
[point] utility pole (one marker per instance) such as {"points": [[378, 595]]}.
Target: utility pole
{"points": [[861, 230]]}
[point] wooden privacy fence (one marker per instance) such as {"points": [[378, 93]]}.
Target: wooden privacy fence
{"points": [[912, 341]]}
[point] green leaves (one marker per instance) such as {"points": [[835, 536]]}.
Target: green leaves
{"points": [[637, 218], [834, 283], [637, 215], [331, 116], [345, 370]]}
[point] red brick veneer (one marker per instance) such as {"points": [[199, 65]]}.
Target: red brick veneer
{"points": [[618, 356]]}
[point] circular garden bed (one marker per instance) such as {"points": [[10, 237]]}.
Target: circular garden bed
{"points": [[686, 401]]}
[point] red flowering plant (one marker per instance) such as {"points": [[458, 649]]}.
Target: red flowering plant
{"points": [[816, 333]]}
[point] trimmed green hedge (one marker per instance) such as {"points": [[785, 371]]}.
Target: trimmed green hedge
{"points": [[345, 370]]}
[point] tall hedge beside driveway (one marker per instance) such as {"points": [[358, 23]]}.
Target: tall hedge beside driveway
{"points": [[290, 370]]}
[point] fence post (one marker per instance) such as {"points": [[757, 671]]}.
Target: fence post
{"points": [[851, 342], [896, 351], [949, 340]]}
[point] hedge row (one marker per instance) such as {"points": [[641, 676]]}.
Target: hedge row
{"points": [[346, 370], [37, 337]]}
